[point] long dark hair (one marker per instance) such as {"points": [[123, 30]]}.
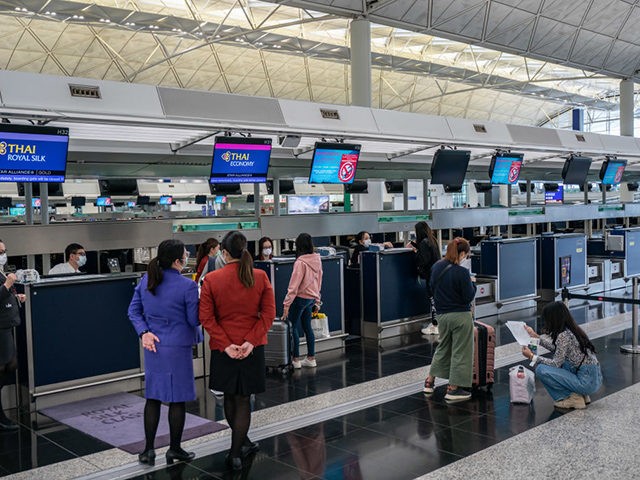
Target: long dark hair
{"points": [[557, 319], [261, 243], [423, 230], [168, 252], [205, 248], [304, 244], [236, 246]]}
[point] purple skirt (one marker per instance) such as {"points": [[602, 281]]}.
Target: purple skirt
{"points": [[169, 374]]}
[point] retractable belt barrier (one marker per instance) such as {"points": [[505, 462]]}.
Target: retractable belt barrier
{"points": [[633, 348]]}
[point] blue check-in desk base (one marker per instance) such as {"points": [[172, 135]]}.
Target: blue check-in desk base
{"points": [[279, 271], [394, 299], [76, 340], [554, 251]]}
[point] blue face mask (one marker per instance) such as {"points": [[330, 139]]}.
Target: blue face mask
{"points": [[82, 260]]}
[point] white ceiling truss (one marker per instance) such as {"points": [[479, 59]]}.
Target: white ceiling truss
{"points": [[299, 50]]}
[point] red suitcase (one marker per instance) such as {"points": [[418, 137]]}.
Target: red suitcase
{"points": [[484, 352]]}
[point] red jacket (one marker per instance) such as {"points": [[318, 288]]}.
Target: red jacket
{"points": [[232, 313]]}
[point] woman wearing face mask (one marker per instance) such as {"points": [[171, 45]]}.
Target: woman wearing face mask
{"points": [[265, 249], [164, 313], [9, 318], [207, 251], [453, 291], [76, 258], [363, 242]]}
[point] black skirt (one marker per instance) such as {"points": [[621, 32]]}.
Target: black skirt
{"points": [[238, 377]]}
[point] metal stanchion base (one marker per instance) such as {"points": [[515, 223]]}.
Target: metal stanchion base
{"points": [[630, 349]]}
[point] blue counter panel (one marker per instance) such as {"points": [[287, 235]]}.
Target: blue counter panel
{"points": [[552, 248], [517, 273], [632, 252], [352, 301], [369, 273], [82, 330], [403, 293]]}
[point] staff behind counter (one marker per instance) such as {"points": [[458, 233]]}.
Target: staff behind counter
{"points": [[363, 242], [76, 257]]}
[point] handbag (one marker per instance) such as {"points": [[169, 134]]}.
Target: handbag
{"points": [[522, 384], [320, 326]]}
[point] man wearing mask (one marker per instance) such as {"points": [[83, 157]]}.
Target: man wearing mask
{"points": [[76, 258]]}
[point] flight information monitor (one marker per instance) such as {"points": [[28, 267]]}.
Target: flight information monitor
{"points": [[612, 171], [240, 160], [165, 200], [334, 163], [575, 170], [33, 154], [103, 202], [449, 167], [505, 168], [554, 196]]}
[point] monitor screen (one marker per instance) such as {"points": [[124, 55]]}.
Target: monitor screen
{"points": [[33, 154], [118, 186], [201, 200], [555, 196], [449, 167], [505, 168], [103, 202], [297, 205], [131, 204], [240, 160], [334, 163], [220, 199], [5, 202], [35, 203], [575, 170], [78, 201], [166, 200], [143, 200], [612, 171]]}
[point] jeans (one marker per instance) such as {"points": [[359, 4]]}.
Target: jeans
{"points": [[300, 309], [454, 355], [562, 382]]}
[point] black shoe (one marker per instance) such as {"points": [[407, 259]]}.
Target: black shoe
{"points": [[179, 455], [235, 463], [249, 447], [7, 425], [148, 457], [457, 395]]}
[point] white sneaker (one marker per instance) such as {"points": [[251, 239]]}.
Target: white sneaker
{"points": [[430, 330], [296, 364], [217, 393], [309, 363]]}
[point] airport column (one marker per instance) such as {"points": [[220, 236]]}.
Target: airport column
{"points": [[360, 31], [626, 107], [276, 197], [256, 200], [28, 206], [44, 220]]}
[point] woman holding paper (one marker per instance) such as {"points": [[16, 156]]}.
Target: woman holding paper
{"points": [[574, 372]]}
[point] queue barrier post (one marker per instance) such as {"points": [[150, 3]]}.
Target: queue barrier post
{"points": [[633, 348]]}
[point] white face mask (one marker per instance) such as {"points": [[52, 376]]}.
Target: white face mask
{"points": [[82, 260], [367, 242], [266, 252], [3, 259]]}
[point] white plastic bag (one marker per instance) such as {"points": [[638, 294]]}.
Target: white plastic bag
{"points": [[522, 384], [320, 327]]}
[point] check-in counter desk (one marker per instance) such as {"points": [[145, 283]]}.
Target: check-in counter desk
{"points": [[506, 280], [279, 271], [394, 299], [613, 260], [76, 339], [562, 262]]}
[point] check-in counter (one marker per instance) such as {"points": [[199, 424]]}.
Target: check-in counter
{"points": [[76, 338], [280, 269], [614, 259], [507, 277], [562, 262], [394, 299]]}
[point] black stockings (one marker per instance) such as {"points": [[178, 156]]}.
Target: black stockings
{"points": [[237, 410], [177, 414], [7, 376]]}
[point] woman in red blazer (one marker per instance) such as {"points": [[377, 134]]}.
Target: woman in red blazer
{"points": [[237, 308]]}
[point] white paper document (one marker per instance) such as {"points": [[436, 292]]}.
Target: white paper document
{"points": [[519, 332]]}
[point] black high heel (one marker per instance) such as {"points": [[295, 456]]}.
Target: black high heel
{"points": [[235, 463], [148, 457], [249, 447], [179, 455]]}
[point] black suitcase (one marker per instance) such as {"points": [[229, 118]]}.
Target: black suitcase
{"points": [[278, 350]]}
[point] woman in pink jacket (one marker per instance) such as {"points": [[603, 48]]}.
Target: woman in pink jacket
{"points": [[302, 295]]}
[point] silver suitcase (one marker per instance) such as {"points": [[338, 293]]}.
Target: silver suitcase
{"points": [[277, 352]]}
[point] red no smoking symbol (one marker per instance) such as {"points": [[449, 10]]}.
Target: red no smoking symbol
{"points": [[347, 172]]}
